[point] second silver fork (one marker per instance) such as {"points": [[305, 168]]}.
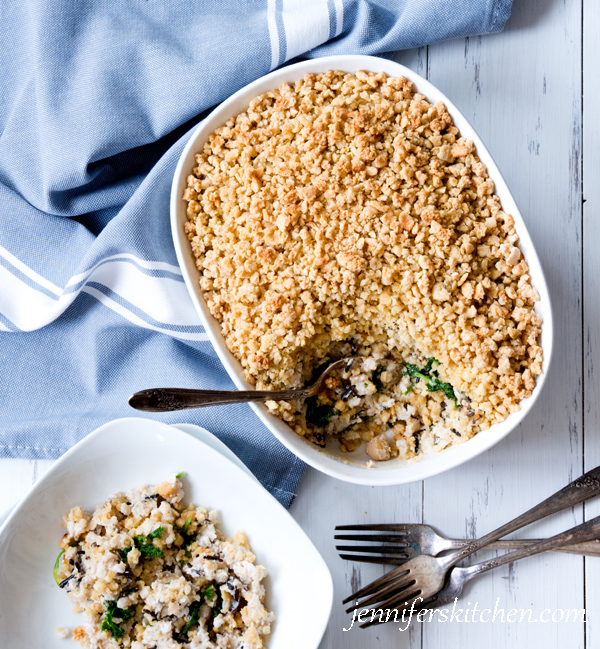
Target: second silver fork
{"points": [[459, 576], [424, 575]]}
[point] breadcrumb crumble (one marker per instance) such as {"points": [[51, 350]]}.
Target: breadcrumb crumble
{"points": [[345, 214]]}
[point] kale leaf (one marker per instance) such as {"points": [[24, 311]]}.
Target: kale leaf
{"points": [[108, 623], [319, 415], [431, 378], [209, 593], [194, 617], [145, 546], [157, 534]]}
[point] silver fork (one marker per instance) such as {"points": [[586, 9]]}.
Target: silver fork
{"points": [[425, 575], [169, 399], [418, 586], [401, 542]]}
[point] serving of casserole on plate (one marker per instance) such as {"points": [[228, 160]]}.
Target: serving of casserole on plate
{"points": [[124, 555]]}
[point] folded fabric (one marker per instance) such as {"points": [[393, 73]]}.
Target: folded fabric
{"points": [[97, 104]]}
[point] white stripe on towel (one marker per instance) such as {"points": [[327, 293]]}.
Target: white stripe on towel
{"points": [[339, 16], [273, 33], [162, 299], [306, 25], [38, 279], [151, 265], [26, 307], [118, 308]]}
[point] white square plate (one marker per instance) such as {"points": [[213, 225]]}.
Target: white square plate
{"points": [[128, 453]]}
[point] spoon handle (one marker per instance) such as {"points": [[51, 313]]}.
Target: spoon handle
{"points": [[169, 399]]}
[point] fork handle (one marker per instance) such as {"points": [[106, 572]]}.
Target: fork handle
{"points": [[587, 549], [580, 490], [587, 531], [170, 399]]}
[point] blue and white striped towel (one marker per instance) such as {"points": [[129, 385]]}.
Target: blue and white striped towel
{"points": [[98, 98]]}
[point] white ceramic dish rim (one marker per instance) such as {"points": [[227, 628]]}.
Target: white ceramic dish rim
{"points": [[319, 622], [199, 433], [353, 467]]}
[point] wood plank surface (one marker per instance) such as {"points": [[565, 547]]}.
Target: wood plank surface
{"points": [[591, 290]]}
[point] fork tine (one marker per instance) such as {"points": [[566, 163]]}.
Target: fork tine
{"points": [[372, 549], [414, 596], [377, 538], [386, 561], [400, 529], [386, 594], [374, 585]]}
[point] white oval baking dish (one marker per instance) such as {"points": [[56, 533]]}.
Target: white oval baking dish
{"points": [[354, 467]]}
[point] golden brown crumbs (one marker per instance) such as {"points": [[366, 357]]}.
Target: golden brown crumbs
{"points": [[345, 212]]}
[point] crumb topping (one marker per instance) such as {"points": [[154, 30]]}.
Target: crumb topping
{"points": [[346, 207]]}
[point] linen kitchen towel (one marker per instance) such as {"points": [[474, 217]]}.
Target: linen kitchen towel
{"points": [[98, 99]]}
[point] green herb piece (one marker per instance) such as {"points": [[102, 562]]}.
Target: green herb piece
{"points": [[376, 378], [146, 547], [188, 539], [429, 365], [157, 534], [319, 415], [194, 617], [124, 553], [435, 384], [184, 529], [108, 623], [180, 475], [218, 604], [431, 378], [209, 593], [57, 567]]}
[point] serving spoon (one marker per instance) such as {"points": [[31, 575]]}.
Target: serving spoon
{"points": [[169, 399]]}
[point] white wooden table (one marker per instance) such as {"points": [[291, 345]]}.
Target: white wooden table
{"points": [[523, 91]]}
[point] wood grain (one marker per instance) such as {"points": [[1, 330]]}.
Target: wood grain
{"points": [[591, 290]]}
